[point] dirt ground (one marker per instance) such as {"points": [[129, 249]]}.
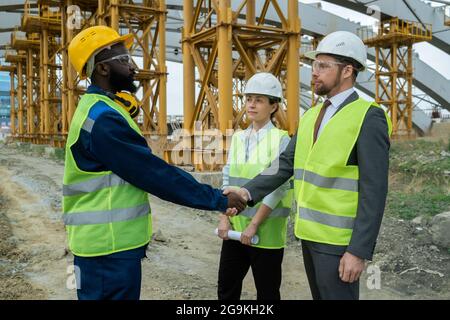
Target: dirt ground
{"points": [[183, 259]]}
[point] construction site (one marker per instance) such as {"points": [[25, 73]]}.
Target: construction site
{"points": [[193, 59]]}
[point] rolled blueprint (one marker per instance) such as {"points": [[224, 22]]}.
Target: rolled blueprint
{"points": [[236, 235]]}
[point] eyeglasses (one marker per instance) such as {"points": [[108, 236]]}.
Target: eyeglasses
{"points": [[122, 58], [321, 66]]}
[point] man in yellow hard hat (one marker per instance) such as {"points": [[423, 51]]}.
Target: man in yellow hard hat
{"points": [[109, 169]]}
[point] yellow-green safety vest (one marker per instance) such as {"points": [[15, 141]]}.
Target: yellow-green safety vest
{"points": [[325, 187], [272, 231], [103, 213]]}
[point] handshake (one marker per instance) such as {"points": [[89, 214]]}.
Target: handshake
{"points": [[237, 200]]}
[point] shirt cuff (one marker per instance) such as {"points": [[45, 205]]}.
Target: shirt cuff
{"points": [[248, 194], [272, 199], [270, 202], [223, 203]]}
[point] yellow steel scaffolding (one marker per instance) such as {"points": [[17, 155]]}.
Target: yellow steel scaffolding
{"points": [[49, 87], [226, 51], [219, 43], [43, 108], [394, 70]]}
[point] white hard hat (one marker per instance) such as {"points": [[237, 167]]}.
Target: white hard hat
{"points": [[342, 43], [264, 83]]}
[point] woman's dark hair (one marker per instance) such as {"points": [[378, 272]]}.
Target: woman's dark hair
{"points": [[273, 100]]}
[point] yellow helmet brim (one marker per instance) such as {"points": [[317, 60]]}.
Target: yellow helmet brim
{"points": [[126, 39]]}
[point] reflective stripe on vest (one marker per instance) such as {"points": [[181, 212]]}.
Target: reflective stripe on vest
{"points": [[277, 212], [327, 219], [107, 216], [93, 185], [88, 125], [326, 182]]}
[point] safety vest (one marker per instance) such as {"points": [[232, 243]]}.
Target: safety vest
{"points": [[103, 213], [325, 187], [272, 231]]}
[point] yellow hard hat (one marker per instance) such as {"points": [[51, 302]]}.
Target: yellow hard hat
{"points": [[129, 102], [91, 40]]}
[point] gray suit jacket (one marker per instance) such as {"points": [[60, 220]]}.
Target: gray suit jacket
{"points": [[371, 154]]}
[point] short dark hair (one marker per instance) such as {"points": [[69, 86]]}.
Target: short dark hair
{"points": [[349, 61]]}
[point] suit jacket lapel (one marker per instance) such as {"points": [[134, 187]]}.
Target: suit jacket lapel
{"points": [[351, 98]]}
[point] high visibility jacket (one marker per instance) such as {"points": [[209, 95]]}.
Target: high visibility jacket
{"points": [[325, 187], [102, 212], [272, 231]]}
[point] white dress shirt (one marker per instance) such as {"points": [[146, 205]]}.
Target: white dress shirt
{"points": [[336, 101]]}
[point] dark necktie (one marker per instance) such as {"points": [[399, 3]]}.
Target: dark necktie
{"points": [[326, 104]]}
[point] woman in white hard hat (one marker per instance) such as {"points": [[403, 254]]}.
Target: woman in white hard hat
{"points": [[252, 151]]}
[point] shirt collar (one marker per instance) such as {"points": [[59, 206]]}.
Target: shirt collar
{"points": [[95, 90], [269, 125], [338, 99], [259, 134]]}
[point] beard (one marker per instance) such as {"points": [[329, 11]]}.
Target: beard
{"points": [[325, 90], [121, 83]]}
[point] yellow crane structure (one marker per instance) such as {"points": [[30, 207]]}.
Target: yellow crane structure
{"points": [[24, 55], [227, 49], [48, 88], [223, 43], [393, 43], [43, 32]]}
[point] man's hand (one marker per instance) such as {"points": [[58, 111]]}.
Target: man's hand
{"points": [[241, 192], [249, 232], [351, 267], [224, 227], [236, 203]]}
